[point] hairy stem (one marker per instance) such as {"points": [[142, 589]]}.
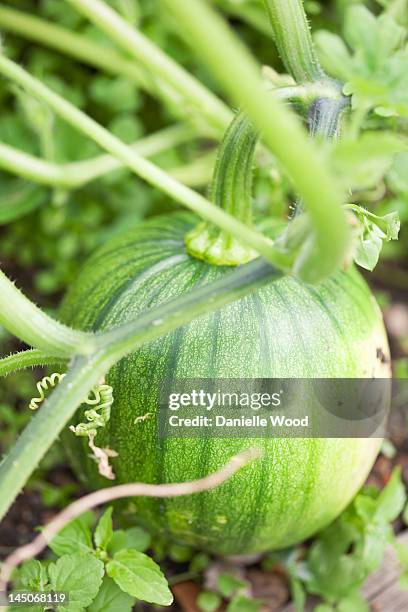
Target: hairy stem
{"points": [[141, 166], [29, 323], [29, 551], [111, 346], [293, 40], [239, 75], [96, 55], [192, 92], [27, 359]]}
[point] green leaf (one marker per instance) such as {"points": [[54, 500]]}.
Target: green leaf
{"points": [[368, 251], [397, 177], [243, 604], [137, 574], [74, 537], [33, 575], [298, 593], [354, 602], [334, 55], [104, 529], [117, 542], [208, 601], [19, 198], [80, 576], [373, 231], [392, 498], [228, 585], [137, 538], [362, 163], [111, 599]]}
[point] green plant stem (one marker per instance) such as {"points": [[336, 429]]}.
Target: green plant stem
{"points": [[292, 37], [239, 75], [154, 60], [141, 166], [29, 323], [27, 359], [74, 45], [98, 56], [112, 346], [76, 174]]}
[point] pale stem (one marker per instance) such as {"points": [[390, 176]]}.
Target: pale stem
{"points": [[76, 174]]}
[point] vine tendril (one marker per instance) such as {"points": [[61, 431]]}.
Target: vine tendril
{"points": [[48, 382], [98, 416], [101, 400]]}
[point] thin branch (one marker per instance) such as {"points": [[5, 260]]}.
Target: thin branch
{"points": [[76, 174], [104, 496], [27, 359]]}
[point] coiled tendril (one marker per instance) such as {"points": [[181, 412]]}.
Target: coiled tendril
{"points": [[98, 416], [48, 382], [101, 398]]}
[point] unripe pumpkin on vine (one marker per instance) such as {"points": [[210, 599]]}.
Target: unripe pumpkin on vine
{"points": [[285, 329]]}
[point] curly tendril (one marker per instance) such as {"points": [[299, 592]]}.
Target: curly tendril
{"points": [[98, 416], [101, 400], [48, 382]]}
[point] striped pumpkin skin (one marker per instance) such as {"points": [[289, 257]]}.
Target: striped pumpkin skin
{"points": [[283, 330]]}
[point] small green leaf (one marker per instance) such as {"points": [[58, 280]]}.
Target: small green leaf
{"points": [[137, 574], [354, 602], [19, 198], [111, 599], [118, 541], [208, 601], [298, 593], [33, 575], [362, 163], [392, 498], [80, 576], [74, 537], [199, 562], [228, 585], [334, 55], [137, 538], [104, 529], [180, 553], [243, 604]]}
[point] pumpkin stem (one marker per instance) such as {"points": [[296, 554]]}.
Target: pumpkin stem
{"points": [[231, 190]]}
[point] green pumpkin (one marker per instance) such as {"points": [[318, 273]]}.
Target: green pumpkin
{"points": [[285, 329]]}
